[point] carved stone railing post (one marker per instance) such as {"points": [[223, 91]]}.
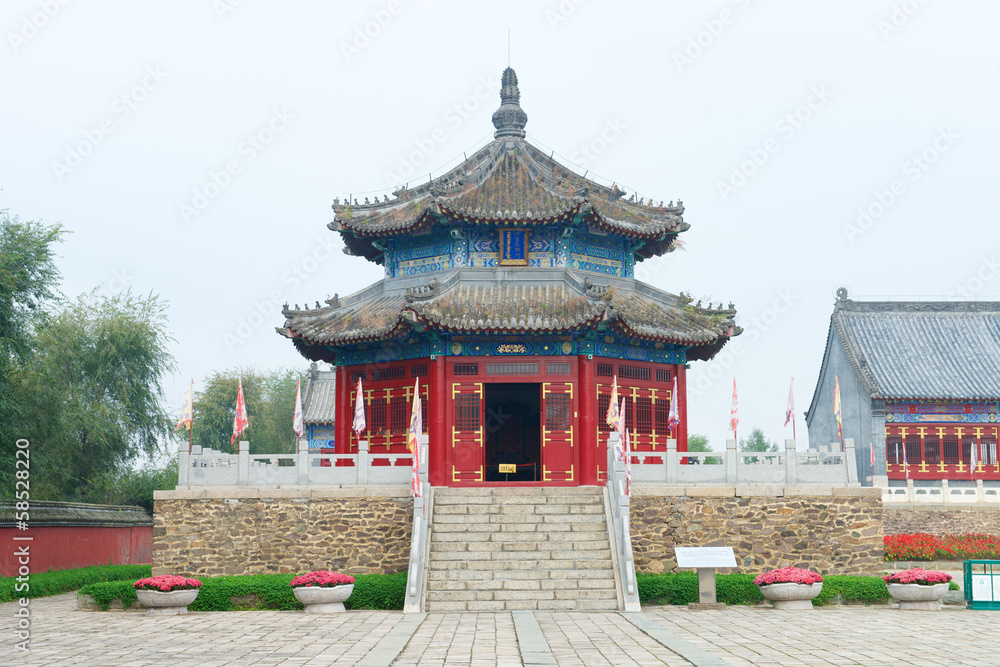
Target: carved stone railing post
{"points": [[183, 464], [364, 461], [302, 462], [243, 464], [791, 461], [731, 461], [673, 461], [851, 460]]}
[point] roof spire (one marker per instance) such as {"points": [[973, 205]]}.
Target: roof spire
{"points": [[510, 118]]}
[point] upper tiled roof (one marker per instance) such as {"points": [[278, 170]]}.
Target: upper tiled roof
{"points": [[513, 307], [508, 181], [922, 349]]}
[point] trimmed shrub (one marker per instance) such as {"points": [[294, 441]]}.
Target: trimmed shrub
{"points": [[737, 589], [43, 584], [264, 591]]}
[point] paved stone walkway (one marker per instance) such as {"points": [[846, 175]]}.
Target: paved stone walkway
{"points": [[736, 636]]}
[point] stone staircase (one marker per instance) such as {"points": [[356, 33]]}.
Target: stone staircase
{"points": [[494, 549]]}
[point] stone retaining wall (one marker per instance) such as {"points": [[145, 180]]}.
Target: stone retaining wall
{"points": [[217, 531], [941, 519], [828, 530]]}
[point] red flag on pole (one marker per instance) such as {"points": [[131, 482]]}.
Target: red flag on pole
{"points": [[628, 466], [836, 412], [187, 412], [240, 419], [734, 415], [612, 416], [872, 449], [413, 441], [674, 417], [359, 410], [297, 424]]}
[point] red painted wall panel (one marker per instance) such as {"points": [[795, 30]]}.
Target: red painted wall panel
{"points": [[65, 547]]}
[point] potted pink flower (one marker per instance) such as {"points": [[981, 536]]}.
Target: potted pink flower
{"points": [[790, 587], [918, 589], [323, 592], [166, 594]]}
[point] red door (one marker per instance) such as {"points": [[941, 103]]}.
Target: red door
{"points": [[467, 432], [558, 460]]}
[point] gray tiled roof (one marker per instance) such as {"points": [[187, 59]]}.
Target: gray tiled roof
{"points": [[318, 404], [943, 350]]}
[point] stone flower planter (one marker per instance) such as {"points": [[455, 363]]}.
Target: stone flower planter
{"points": [[166, 603], [323, 600], [791, 596], [918, 597]]}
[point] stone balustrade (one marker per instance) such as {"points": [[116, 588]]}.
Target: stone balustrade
{"points": [[209, 467], [948, 494], [733, 467]]}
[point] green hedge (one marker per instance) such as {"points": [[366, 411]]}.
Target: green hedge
{"points": [[737, 589], [42, 584], [272, 591]]}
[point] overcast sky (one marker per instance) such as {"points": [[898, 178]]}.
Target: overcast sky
{"points": [[194, 148]]}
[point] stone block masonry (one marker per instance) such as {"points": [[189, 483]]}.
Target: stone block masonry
{"points": [[829, 530], [212, 532], [941, 519]]}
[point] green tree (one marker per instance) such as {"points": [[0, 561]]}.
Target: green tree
{"points": [[270, 401], [699, 443], [756, 443], [94, 390], [28, 278], [131, 486]]}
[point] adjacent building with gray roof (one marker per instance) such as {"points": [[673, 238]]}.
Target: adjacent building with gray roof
{"points": [[919, 375]]}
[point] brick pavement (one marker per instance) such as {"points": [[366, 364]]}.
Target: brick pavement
{"points": [[736, 636]]}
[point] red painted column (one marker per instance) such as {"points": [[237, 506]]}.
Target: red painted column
{"points": [[586, 438], [437, 440], [344, 414], [682, 408]]}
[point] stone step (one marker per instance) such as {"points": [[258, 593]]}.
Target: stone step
{"points": [[514, 605], [459, 562], [519, 510], [605, 584], [454, 535], [573, 578], [519, 593]]}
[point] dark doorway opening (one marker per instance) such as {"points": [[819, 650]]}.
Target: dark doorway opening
{"points": [[512, 422]]}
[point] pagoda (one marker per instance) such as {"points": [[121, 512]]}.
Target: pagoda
{"points": [[510, 292]]}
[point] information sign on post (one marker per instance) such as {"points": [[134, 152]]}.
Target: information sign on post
{"points": [[705, 560]]}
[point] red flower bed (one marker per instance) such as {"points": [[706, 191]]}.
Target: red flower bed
{"points": [[917, 576], [787, 575], [323, 579], [166, 582], [921, 546]]}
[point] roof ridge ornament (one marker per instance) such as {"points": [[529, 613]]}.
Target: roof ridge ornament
{"points": [[510, 118]]}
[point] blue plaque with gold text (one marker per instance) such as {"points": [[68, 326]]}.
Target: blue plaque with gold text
{"points": [[513, 247]]}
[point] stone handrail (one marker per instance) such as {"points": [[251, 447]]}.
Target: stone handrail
{"points": [[210, 467], [419, 541], [733, 467], [620, 524], [946, 494]]}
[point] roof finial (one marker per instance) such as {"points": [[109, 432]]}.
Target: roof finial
{"points": [[510, 118]]}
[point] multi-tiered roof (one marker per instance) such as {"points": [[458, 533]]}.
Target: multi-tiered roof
{"points": [[510, 183]]}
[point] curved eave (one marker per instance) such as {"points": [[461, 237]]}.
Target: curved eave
{"points": [[503, 219], [703, 349]]}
